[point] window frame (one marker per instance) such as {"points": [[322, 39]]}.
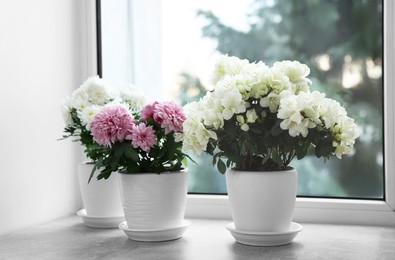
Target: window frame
{"points": [[313, 210]]}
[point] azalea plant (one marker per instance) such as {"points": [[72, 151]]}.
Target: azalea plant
{"points": [[259, 118], [149, 140], [79, 109]]}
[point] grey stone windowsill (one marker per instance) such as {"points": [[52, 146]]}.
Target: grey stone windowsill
{"points": [[69, 238]]}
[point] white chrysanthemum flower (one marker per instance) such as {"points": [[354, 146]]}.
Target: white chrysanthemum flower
{"points": [[87, 114], [97, 90], [65, 109], [118, 102], [79, 99], [133, 97]]}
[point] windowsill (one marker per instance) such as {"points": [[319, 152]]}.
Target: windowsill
{"points": [[69, 238], [307, 210]]}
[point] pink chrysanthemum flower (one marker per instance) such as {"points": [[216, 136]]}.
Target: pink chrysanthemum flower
{"points": [[170, 116], [148, 111], [142, 136], [111, 124]]}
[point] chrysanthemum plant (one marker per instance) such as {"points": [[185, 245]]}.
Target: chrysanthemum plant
{"points": [[79, 109], [259, 118], [146, 141]]}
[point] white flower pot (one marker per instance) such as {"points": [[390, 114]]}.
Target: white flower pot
{"points": [[154, 201], [262, 201], [101, 198]]}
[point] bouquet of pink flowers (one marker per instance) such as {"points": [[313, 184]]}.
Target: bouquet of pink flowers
{"points": [[81, 106], [148, 140]]}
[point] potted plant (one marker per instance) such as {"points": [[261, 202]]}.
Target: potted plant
{"points": [[145, 148], [255, 122], [101, 199]]}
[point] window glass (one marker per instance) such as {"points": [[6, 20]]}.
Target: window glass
{"points": [[168, 49]]}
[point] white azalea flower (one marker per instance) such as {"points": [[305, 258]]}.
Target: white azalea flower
{"points": [[196, 136], [233, 103], [229, 97], [330, 110], [345, 132], [276, 80], [226, 65], [242, 83], [341, 150], [242, 123], [212, 118], [300, 112], [295, 129], [294, 70], [251, 116], [272, 101]]}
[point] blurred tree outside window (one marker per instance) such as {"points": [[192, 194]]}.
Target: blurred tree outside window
{"points": [[340, 40]]}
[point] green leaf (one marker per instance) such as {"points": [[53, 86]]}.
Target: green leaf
{"points": [[324, 149], [118, 150], [185, 162], [97, 165], [114, 164], [228, 163], [105, 173], [276, 130], [276, 157], [243, 149], [266, 158], [221, 166], [301, 151], [210, 148], [130, 153]]}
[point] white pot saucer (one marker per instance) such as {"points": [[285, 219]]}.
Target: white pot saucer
{"points": [[100, 222], [155, 235], [265, 238]]}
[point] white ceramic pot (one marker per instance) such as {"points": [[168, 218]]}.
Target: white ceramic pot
{"points": [[154, 201], [101, 198], [262, 201]]}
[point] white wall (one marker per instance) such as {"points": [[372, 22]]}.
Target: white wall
{"points": [[39, 65]]}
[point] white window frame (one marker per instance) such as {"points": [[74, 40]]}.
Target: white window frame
{"points": [[313, 210]]}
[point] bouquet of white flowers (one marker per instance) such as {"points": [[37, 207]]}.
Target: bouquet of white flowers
{"points": [[261, 118]]}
